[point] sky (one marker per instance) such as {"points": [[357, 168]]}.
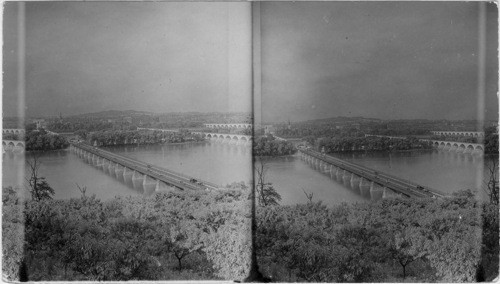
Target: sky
{"points": [[388, 60], [86, 57]]}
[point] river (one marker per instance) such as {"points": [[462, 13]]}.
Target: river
{"points": [[224, 163]]}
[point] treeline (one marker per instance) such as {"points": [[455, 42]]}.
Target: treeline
{"points": [[13, 136], [491, 140], [402, 131], [370, 143], [128, 137], [315, 131], [424, 240], [167, 236], [301, 130], [40, 140], [85, 125], [269, 146]]}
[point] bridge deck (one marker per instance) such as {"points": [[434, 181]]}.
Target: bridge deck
{"points": [[399, 185], [178, 180]]}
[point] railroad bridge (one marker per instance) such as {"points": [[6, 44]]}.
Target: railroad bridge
{"points": [[374, 182], [12, 145], [12, 130], [228, 125], [130, 169], [231, 138], [459, 133], [461, 147]]}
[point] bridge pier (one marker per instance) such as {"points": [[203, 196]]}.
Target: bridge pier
{"points": [[111, 168], [346, 177], [338, 174], [127, 174], [87, 157], [375, 191], [119, 171], [354, 180], [148, 184], [105, 165], [388, 193], [99, 162], [364, 187], [137, 180]]}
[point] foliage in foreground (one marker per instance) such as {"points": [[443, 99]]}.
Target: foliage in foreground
{"points": [[451, 240], [174, 235]]}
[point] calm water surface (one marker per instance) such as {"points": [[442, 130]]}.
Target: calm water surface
{"points": [[441, 170], [223, 163]]}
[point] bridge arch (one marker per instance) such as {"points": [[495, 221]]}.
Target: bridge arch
{"points": [[470, 147], [20, 144], [479, 147]]}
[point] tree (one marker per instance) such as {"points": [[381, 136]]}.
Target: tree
{"points": [[185, 239], [309, 196], [491, 180], [38, 186], [266, 194]]}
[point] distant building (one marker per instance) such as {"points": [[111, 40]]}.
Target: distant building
{"points": [[40, 123]]}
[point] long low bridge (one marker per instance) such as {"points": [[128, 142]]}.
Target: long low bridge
{"points": [[374, 179], [121, 165]]}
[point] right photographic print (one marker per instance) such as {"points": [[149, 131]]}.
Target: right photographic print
{"points": [[376, 141]]}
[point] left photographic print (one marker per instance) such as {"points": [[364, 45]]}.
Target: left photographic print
{"points": [[126, 141]]}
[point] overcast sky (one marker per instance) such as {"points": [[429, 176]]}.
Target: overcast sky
{"points": [[385, 60], [160, 57]]}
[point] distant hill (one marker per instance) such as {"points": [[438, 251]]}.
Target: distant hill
{"points": [[114, 113], [341, 119]]}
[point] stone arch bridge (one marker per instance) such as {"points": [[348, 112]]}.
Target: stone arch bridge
{"points": [[461, 147], [231, 138], [13, 130], [12, 145], [459, 133], [228, 125]]}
